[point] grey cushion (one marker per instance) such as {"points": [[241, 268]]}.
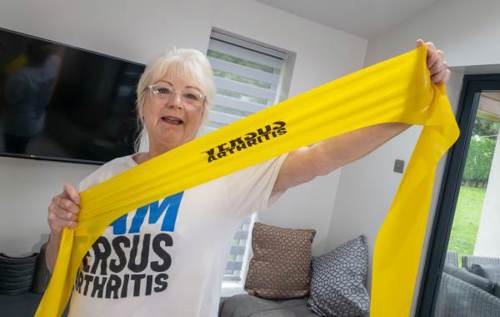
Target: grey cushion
{"points": [[468, 260], [470, 278], [489, 271], [339, 279], [496, 291]]}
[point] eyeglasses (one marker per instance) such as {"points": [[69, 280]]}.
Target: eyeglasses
{"points": [[188, 96]]}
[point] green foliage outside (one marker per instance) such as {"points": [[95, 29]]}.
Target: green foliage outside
{"points": [[470, 200], [466, 220], [241, 61], [479, 157], [480, 154]]}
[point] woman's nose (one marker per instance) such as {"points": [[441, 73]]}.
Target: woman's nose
{"points": [[175, 101]]}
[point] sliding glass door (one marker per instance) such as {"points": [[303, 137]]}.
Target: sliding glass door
{"points": [[462, 273]]}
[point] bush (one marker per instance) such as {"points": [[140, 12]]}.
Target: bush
{"points": [[478, 163]]}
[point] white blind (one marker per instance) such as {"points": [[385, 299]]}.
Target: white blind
{"points": [[248, 78], [247, 81]]}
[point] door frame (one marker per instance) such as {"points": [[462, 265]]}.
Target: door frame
{"points": [[441, 228]]}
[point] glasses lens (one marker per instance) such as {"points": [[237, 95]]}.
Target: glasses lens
{"points": [[162, 92], [192, 97]]}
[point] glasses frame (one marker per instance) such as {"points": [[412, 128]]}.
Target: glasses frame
{"points": [[174, 92]]}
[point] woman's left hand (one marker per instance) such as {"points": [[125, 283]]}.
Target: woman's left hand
{"points": [[440, 73]]}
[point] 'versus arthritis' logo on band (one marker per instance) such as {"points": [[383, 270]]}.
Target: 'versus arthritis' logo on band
{"points": [[130, 264], [248, 140]]}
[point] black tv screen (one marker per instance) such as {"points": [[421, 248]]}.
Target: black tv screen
{"points": [[59, 102]]}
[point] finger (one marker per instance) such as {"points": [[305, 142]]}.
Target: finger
{"points": [[438, 67], [66, 215], [431, 50], [68, 205], [443, 75], [54, 203], [438, 78], [56, 225], [431, 46], [420, 42], [447, 75], [432, 58], [72, 193], [63, 214]]}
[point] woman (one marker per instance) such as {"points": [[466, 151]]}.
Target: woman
{"points": [[167, 258]]}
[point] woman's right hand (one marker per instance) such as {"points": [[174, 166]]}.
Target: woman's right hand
{"points": [[63, 210]]}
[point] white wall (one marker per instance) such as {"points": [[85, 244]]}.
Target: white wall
{"points": [[26, 188], [138, 30], [467, 31], [487, 235], [307, 206]]}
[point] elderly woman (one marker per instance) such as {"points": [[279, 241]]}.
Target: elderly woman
{"points": [[167, 258]]}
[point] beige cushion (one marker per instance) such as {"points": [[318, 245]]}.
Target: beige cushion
{"points": [[281, 262]]}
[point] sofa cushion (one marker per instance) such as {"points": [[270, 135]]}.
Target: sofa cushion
{"points": [[496, 290], [470, 278], [489, 271], [280, 266], [244, 305], [339, 279], [16, 274]]}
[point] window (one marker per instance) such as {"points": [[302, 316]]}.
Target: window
{"points": [[249, 77]]}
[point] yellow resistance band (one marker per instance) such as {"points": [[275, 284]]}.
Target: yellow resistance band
{"points": [[396, 90]]}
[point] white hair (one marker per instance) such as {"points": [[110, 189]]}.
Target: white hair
{"points": [[191, 65]]}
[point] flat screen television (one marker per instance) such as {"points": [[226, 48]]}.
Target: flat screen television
{"points": [[59, 102]]}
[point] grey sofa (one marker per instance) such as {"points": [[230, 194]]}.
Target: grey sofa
{"points": [[24, 304], [244, 305], [458, 298], [468, 261]]}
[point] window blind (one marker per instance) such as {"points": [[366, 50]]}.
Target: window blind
{"points": [[248, 77]]}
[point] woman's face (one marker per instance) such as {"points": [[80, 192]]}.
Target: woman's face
{"points": [[172, 114]]}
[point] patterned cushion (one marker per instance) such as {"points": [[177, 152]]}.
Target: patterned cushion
{"points": [[338, 281], [281, 262]]}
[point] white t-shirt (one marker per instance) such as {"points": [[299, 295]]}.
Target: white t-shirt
{"points": [[168, 258]]}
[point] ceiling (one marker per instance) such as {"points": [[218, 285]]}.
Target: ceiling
{"points": [[365, 18]]}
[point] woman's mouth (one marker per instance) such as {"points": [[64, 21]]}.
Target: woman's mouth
{"points": [[172, 120]]}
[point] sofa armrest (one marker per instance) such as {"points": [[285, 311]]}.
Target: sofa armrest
{"points": [[42, 274]]}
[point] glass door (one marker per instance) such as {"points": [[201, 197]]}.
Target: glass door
{"points": [[462, 274]]}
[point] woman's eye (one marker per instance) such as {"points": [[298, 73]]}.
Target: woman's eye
{"points": [[163, 91], [191, 96]]}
